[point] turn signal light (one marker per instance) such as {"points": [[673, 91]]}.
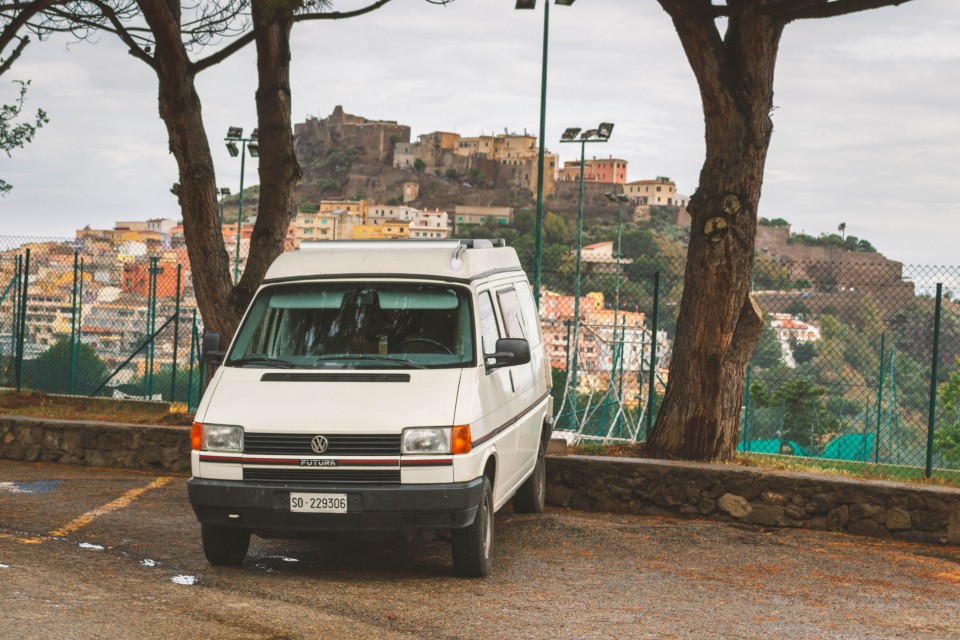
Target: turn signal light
{"points": [[196, 436], [460, 440]]}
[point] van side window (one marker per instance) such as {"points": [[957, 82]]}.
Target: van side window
{"points": [[510, 312], [530, 316], [489, 331]]}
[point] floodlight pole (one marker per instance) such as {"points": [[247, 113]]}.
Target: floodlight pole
{"points": [[236, 259], [235, 135], [587, 136], [538, 237]]}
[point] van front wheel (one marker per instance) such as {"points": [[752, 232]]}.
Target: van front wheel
{"points": [[473, 545], [224, 546]]}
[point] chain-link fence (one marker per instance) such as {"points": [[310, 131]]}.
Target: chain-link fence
{"points": [[95, 318], [844, 373]]}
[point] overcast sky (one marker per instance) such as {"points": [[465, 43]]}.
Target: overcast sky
{"points": [[867, 117]]}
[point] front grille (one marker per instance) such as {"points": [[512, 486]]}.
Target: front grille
{"points": [[391, 476], [298, 444]]}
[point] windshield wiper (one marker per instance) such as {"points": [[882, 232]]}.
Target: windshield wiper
{"points": [[266, 361], [369, 356]]}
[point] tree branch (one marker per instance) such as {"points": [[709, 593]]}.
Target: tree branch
{"points": [[789, 10], [247, 38], [8, 62], [27, 11], [339, 15]]}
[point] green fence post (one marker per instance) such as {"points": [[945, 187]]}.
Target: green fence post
{"points": [[21, 337], [653, 352], [746, 411], [176, 337], [193, 342], [934, 374], [73, 320], [883, 353], [79, 343], [152, 323], [15, 312]]}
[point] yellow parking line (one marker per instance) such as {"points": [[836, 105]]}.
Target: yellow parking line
{"points": [[7, 536], [119, 503]]}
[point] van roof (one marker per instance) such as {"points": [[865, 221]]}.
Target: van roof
{"points": [[448, 259]]}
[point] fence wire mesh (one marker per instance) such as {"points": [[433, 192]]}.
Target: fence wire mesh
{"points": [[85, 318], [845, 372]]}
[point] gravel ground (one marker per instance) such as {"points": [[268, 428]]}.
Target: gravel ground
{"points": [[565, 574]]}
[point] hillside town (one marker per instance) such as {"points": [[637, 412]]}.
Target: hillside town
{"points": [[107, 287]]}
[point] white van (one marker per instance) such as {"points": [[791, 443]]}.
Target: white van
{"points": [[384, 385]]}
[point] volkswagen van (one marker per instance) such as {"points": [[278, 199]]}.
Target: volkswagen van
{"points": [[375, 385]]}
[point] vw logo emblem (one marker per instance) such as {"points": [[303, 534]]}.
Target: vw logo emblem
{"points": [[319, 444]]}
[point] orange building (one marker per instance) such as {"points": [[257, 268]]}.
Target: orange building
{"points": [[610, 170]]}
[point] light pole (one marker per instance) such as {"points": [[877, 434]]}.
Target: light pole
{"points": [[538, 237], [619, 198], [223, 193], [235, 135], [574, 135], [615, 377]]}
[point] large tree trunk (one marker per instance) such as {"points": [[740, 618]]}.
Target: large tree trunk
{"points": [[719, 324], [279, 169], [181, 113]]}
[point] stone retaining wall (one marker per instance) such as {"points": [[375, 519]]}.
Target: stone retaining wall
{"points": [[95, 444], [756, 496], [620, 485]]}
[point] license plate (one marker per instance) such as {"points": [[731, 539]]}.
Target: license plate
{"points": [[318, 502]]}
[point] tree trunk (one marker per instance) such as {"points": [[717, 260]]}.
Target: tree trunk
{"points": [[196, 190], [279, 169], [719, 324]]}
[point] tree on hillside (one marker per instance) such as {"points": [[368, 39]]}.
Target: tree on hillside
{"points": [[163, 34], [719, 323]]}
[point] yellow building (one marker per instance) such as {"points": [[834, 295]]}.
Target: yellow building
{"points": [[352, 207], [662, 191]]}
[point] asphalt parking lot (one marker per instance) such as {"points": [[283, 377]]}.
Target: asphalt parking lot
{"points": [[98, 553]]}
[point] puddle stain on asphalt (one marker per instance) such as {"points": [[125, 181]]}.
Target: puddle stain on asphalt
{"points": [[43, 486]]}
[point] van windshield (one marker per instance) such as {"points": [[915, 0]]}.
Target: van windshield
{"points": [[357, 325]]}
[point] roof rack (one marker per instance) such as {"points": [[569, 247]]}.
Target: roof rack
{"points": [[482, 243]]}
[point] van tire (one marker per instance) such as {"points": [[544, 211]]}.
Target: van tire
{"points": [[532, 494], [473, 545], [224, 546]]}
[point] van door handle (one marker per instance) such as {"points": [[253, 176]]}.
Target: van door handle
{"points": [[512, 388]]}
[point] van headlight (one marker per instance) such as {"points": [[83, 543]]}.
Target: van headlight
{"points": [[218, 437], [437, 440], [426, 440]]}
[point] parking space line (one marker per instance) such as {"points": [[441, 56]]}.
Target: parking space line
{"points": [[119, 503], [7, 536]]}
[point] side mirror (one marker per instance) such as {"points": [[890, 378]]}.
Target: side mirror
{"points": [[510, 352], [210, 349]]}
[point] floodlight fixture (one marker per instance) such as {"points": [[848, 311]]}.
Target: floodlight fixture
{"points": [[604, 130], [254, 148], [616, 197], [570, 134], [589, 133], [234, 133], [224, 191], [255, 133], [565, 3], [233, 149], [526, 4]]}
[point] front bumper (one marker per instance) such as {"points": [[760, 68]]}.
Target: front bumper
{"points": [[264, 508]]}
